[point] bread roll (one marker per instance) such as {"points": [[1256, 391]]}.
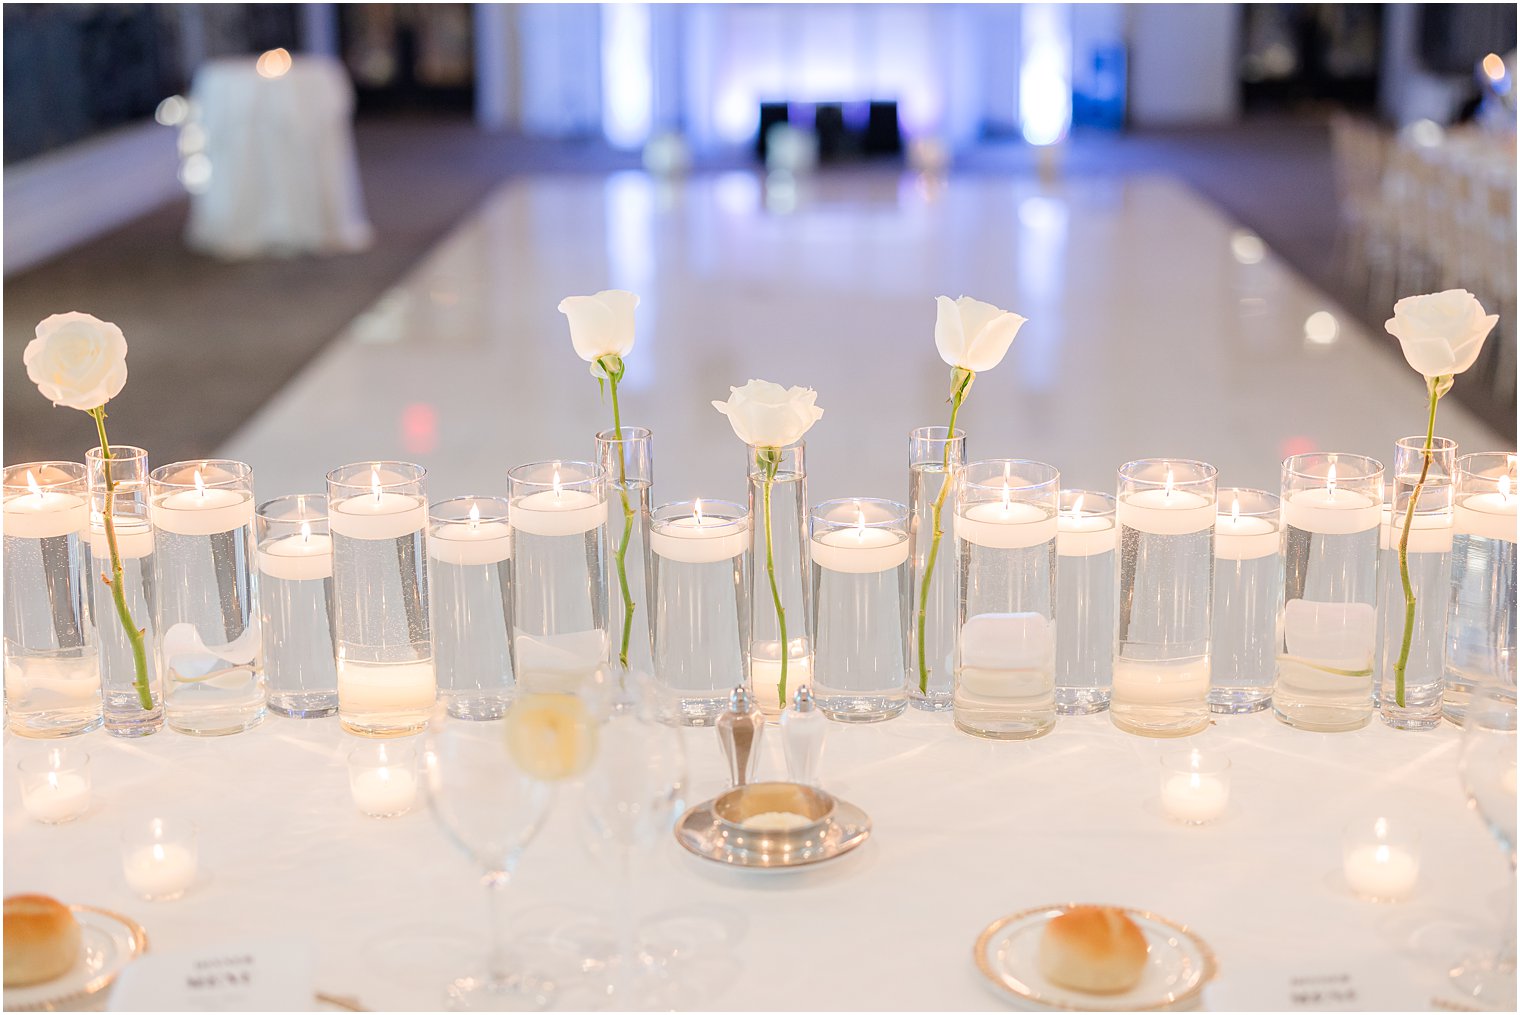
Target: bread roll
{"points": [[42, 939], [1094, 949]]}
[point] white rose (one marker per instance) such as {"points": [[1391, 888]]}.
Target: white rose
{"points": [[973, 335], [601, 325], [77, 360], [1441, 333], [769, 416]]}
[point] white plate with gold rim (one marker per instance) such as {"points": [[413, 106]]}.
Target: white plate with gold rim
{"points": [[108, 941], [1177, 967]]}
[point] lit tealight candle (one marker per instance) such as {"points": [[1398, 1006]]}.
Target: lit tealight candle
{"points": [[378, 514], [1489, 514], [470, 540], [1195, 785], [160, 859], [1381, 862], [383, 778], [55, 787], [557, 511], [1243, 537], [301, 557], [1166, 512], [1330, 511], [1084, 535], [700, 537], [859, 548], [204, 511], [43, 513], [1005, 524]]}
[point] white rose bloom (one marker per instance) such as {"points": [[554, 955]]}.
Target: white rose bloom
{"points": [[1441, 333], [769, 416], [601, 325], [77, 360], [973, 335]]}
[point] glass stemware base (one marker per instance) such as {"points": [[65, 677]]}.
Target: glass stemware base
{"points": [[1488, 978]]}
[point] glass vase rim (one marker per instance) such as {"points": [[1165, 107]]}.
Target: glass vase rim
{"points": [[93, 454], [499, 508], [299, 499], [1416, 442], [633, 434], [1053, 482], [1205, 761], [70, 759], [1508, 459], [1293, 466], [1275, 499], [672, 508], [796, 445], [239, 474], [1206, 473], [415, 474], [896, 513], [21, 468], [945, 435]]}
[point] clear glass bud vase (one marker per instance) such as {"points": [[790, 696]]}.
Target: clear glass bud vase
{"points": [[627, 458], [126, 713], [1429, 558], [935, 456], [781, 614]]}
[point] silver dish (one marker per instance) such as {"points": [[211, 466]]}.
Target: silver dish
{"points": [[714, 830]]}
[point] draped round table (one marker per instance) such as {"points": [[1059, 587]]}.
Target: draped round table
{"points": [[965, 831], [284, 179]]}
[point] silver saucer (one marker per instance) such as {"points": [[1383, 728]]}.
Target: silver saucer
{"points": [[700, 832]]}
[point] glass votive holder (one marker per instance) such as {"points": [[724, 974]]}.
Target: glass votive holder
{"points": [[1085, 551], [469, 546], [55, 785], [383, 778], [699, 561], [1481, 627], [295, 605], [1195, 785], [160, 857], [861, 575], [1247, 596], [1381, 859]]}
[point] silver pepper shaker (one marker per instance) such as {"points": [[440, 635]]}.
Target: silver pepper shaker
{"points": [[739, 731], [803, 726]]}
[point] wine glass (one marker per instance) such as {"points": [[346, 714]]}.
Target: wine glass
{"points": [[633, 792], [1487, 765], [489, 786]]}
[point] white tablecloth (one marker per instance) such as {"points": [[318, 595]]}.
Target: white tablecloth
{"points": [[284, 179], [965, 831]]}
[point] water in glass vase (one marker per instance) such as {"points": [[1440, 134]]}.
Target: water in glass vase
{"points": [[1425, 674], [1329, 629], [472, 615], [699, 632], [859, 664], [1005, 673], [52, 682], [302, 655], [1085, 635], [1481, 633], [209, 638], [386, 682], [120, 699], [1244, 654], [560, 607], [927, 478]]}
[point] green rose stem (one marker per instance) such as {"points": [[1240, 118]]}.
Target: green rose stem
{"points": [[612, 366], [960, 383], [134, 633], [1438, 386], [769, 460]]}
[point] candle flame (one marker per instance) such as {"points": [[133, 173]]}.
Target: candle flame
{"points": [[31, 483], [860, 521], [158, 852], [697, 512], [1330, 481], [306, 532], [52, 778], [1504, 487], [1168, 481], [1380, 828], [474, 516], [1076, 507], [1380, 855], [1007, 497], [1235, 510], [200, 483], [556, 479], [374, 481]]}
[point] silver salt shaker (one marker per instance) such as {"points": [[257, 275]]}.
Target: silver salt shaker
{"points": [[803, 726], [739, 731]]}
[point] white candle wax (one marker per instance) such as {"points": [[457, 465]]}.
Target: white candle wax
{"points": [[471, 542], [45, 514], [1332, 512], [57, 797], [380, 515], [202, 512], [160, 870], [1160, 683], [1486, 514], [1247, 538], [860, 550], [1194, 797], [1430, 533], [384, 792], [297, 557], [1165, 512], [1005, 525], [558, 662], [386, 687], [1382, 872], [134, 539], [765, 676], [704, 540], [1006, 655], [557, 513], [1086, 535]]}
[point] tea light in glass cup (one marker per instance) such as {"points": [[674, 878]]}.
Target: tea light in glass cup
{"points": [[159, 858], [1381, 859], [55, 786], [1195, 785], [383, 778]]}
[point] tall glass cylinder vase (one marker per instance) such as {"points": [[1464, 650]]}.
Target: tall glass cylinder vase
{"points": [[627, 460], [1085, 549], [1415, 704], [469, 574], [377, 513], [558, 515], [860, 602], [1331, 513], [935, 456], [120, 693], [1166, 509], [699, 561], [1480, 630], [207, 614], [781, 614], [52, 674], [1247, 599], [296, 606], [1005, 545]]}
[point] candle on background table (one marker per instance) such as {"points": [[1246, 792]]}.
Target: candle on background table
{"points": [[44, 512], [383, 778], [1195, 785], [1244, 536], [55, 787], [701, 537], [470, 540], [1489, 514], [1381, 860], [203, 511], [558, 511], [160, 858], [1086, 528]]}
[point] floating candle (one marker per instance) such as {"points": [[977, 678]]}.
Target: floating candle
{"points": [[44, 513], [470, 540], [1085, 535], [302, 557], [557, 512], [204, 511], [860, 549], [701, 537], [379, 514], [1243, 537]]}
